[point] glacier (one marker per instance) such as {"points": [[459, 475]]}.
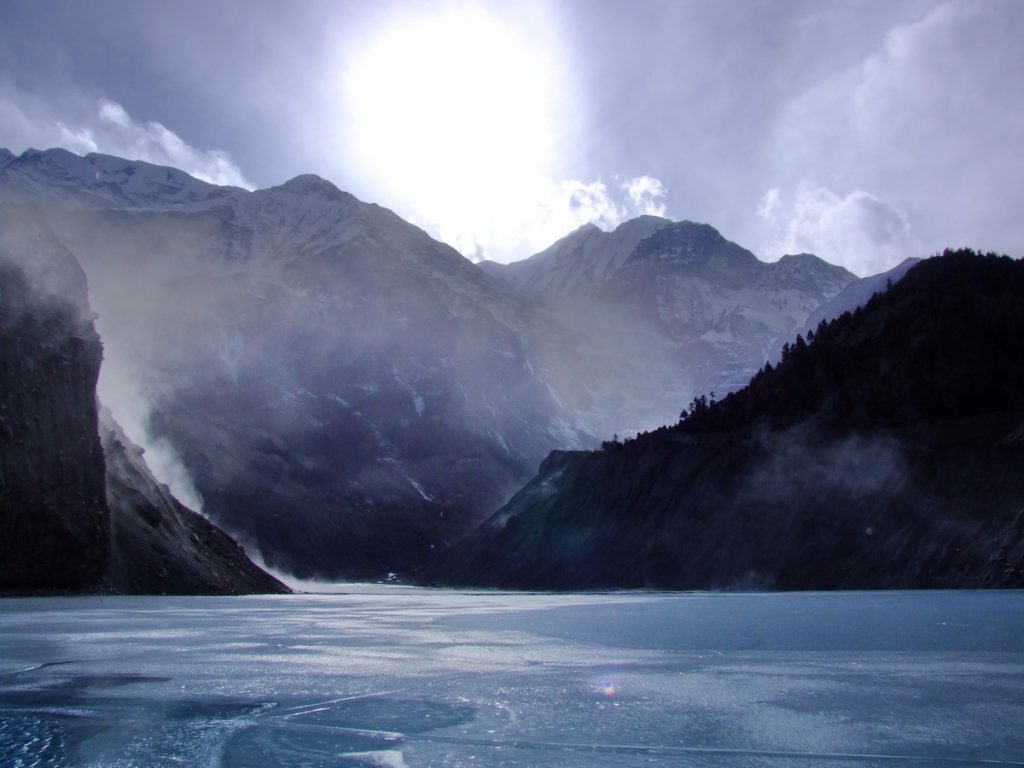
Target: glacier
{"points": [[395, 676]]}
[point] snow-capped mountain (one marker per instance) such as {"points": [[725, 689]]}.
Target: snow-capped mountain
{"points": [[719, 312], [581, 261], [102, 180], [349, 394], [343, 390]]}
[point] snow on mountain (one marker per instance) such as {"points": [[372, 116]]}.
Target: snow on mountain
{"points": [[347, 393], [343, 391], [718, 311], [101, 180], [580, 261]]}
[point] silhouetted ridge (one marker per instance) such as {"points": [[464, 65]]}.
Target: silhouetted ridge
{"points": [[945, 342], [885, 452]]}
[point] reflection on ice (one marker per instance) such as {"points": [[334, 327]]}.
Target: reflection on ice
{"points": [[404, 677]]}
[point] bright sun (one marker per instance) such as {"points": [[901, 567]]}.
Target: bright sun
{"points": [[453, 113]]}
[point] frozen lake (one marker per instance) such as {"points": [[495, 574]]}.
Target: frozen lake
{"points": [[402, 677]]}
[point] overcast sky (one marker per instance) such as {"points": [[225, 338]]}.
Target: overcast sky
{"points": [[865, 132]]}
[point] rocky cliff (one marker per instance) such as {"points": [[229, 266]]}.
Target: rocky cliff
{"points": [[159, 546], [77, 513], [54, 519]]}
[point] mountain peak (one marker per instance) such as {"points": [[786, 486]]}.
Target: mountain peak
{"points": [[688, 242], [310, 183], [794, 264], [644, 220], [800, 258]]}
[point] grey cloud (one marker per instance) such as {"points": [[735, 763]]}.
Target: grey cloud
{"points": [[858, 231], [932, 122]]}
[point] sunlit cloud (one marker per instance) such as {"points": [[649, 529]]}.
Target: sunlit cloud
{"points": [[456, 118], [541, 212], [647, 195], [858, 230]]}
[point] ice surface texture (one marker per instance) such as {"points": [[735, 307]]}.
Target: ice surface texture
{"points": [[400, 677]]}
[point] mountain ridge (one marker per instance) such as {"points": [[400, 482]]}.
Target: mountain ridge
{"points": [[351, 395], [873, 456]]}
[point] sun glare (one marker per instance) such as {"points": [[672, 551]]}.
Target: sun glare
{"points": [[453, 113]]}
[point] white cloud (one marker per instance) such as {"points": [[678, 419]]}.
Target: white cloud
{"points": [[106, 127], [646, 193], [858, 231], [930, 121]]}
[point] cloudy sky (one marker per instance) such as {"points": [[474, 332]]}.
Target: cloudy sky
{"points": [[864, 132]]}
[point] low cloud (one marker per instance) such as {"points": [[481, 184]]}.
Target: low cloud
{"points": [[858, 230], [541, 211], [120, 389], [106, 127]]}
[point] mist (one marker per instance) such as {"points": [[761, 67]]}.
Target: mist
{"points": [[306, 369]]}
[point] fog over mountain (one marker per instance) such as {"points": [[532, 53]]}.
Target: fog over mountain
{"points": [[80, 510], [347, 394]]}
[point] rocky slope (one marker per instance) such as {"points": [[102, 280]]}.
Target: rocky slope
{"points": [[345, 392], [707, 312], [78, 514], [885, 453], [159, 546]]}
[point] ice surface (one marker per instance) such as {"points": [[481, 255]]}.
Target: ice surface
{"points": [[400, 677]]}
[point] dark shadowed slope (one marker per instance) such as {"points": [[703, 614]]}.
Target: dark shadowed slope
{"points": [[158, 545], [71, 518], [54, 520], [887, 452]]}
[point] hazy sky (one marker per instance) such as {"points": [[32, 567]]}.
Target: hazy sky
{"points": [[864, 132]]}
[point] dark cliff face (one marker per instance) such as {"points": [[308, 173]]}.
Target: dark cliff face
{"points": [[159, 546], [54, 521], [887, 453], [78, 514]]}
